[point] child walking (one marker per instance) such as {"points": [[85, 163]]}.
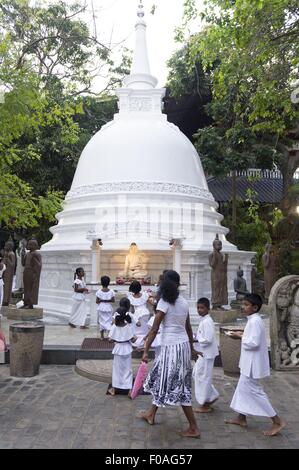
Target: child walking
{"points": [[79, 311], [206, 346], [122, 333], [104, 298], [139, 301], [249, 397]]}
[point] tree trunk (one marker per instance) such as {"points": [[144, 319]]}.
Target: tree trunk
{"points": [[234, 205]]}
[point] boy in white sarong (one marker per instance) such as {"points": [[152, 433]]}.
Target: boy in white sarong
{"points": [[249, 397], [206, 346]]}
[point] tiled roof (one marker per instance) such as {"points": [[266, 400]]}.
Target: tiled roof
{"points": [[269, 190]]}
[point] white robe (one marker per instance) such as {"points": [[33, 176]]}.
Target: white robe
{"points": [[79, 308], [122, 373], [105, 309], [249, 397], [205, 391]]}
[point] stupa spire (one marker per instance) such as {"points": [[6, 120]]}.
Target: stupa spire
{"points": [[140, 76]]}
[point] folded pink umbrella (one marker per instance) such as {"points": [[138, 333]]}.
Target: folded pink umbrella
{"points": [[139, 380]]}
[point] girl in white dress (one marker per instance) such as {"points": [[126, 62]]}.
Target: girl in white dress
{"points": [[138, 301], [79, 311], [2, 269], [122, 333], [104, 298]]}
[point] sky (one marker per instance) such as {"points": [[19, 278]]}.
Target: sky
{"points": [[115, 23]]}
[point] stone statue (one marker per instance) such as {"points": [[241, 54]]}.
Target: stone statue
{"points": [[284, 323], [9, 260], [218, 263], [32, 263], [240, 286], [270, 269], [285, 353], [20, 268], [134, 264]]}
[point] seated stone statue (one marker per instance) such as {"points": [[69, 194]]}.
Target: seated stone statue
{"points": [[240, 286], [134, 264]]}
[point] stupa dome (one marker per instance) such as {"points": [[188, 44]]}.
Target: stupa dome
{"points": [[139, 179], [139, 149]]}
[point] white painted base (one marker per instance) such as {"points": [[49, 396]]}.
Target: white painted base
{"points": [[57, 277]]}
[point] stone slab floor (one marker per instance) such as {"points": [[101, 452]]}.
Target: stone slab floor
{"points": [[60, 409]]}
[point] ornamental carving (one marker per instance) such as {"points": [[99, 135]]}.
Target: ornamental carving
{"points": [[140, 187], [284, 323], [140, 104]]}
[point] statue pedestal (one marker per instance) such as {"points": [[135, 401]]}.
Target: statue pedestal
{"points": [[236, 305], [13, 313], [225, 316]]}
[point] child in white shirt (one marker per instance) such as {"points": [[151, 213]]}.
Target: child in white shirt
{"points": [[206, 346], [122, 333], [249, 397], [79, 310], [104, 299]]}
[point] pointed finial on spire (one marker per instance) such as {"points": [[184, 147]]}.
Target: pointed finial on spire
{"points": [[140, 11]]}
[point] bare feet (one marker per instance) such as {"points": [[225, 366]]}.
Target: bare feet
{"points": [[238, 421], [111, 391], [190, 432], [275, 429], [211, 402], [203, 409], [149, 418]]}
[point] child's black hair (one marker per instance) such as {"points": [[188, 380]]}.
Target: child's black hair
{"points": [[122, 316], [204, 301], [105, 281], [254, 299], [77, 272], [125, 303], [170, 286], [135, 287]]}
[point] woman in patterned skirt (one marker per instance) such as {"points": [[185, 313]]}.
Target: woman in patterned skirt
{"points": [[169, 381]]}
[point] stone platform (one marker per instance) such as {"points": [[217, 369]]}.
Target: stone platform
{"points": [[100, 371], [13, 313]]}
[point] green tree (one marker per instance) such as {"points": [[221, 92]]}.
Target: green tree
{"points": [[251, 48], [48, 59]]}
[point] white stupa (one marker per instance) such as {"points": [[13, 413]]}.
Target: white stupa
{"points": [[139, 179]]}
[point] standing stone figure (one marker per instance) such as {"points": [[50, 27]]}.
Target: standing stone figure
{"points": [[32, 262], [270, 274], [9, 260], [218, 263], [240, 286], [20, 268]]}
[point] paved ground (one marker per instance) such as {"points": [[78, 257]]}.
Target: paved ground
{"points": [[60, 409]]}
